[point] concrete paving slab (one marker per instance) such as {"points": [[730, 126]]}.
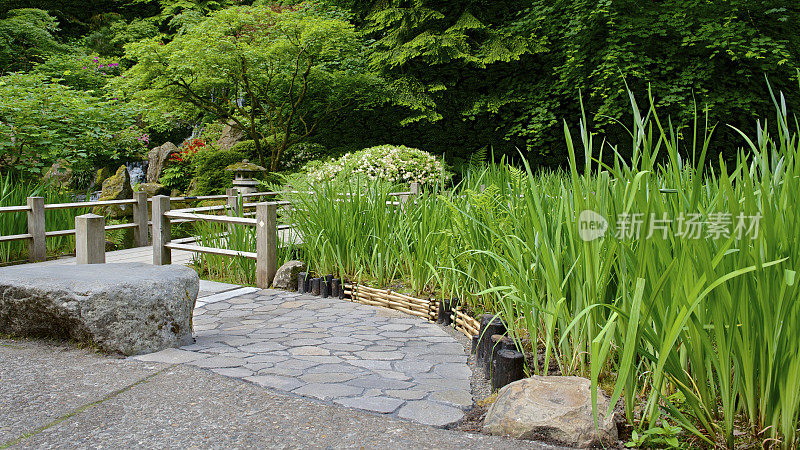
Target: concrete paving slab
{"points": [[55, 396]]}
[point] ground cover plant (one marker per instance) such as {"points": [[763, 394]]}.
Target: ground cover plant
{"points": [[685, 308]]}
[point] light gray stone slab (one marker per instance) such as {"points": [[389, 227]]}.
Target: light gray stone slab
{"points": [[276, 382], [395, 327], [327, 368], [327, 391], [262, 347], [430, 413], [216, 362], [378, 382], [327, 377], [234, 372], [227, 294], [413, 366], [380, 356], [383, 405], [303, 342], [320, 359], [309, 351], [172, 356], [371, 364], [343, 347], [407, 394], [458, 398], [453, 370]]}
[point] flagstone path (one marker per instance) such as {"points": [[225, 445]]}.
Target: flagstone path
{"points": [[353, 355]]}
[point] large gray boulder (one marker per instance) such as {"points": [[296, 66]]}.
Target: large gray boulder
{"points": [[286, 276], [60, 174], [555, 409], [230, 137], [153, 189], [122, 308], [157, 159]]}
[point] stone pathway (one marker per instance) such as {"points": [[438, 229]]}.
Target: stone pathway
{"points": [[353, 355]]}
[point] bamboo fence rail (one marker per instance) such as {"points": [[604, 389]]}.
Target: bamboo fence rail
{"points": [[424, 308]]}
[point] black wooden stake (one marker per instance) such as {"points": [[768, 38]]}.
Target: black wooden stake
{"points": [[508, 367], [324, 287], [496, 326], [491, 355], [315, 286]]}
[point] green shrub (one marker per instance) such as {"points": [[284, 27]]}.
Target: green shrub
{"points": [[392, 163], [210, 176], [248, 147], [300, 154]]}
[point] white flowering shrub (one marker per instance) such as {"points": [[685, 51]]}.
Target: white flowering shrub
{"points": [[392, 163]]}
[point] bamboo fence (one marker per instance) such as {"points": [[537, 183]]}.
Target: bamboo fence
{"points": [[424, 308]]}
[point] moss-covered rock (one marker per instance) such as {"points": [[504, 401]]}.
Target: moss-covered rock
{"points": [[158, 159], [116, 187], [246, 167], [153, 189], [229, 137], [100, 176]]}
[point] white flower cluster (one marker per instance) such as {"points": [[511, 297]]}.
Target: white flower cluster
{"points": [[392, 163]]}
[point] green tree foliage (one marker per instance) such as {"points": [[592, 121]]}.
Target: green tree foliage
{"points": [[110, 39], [714, 53], [42, 121], [268, 71], [88, 72], [26, 38], [474, 73], [429, 45]]}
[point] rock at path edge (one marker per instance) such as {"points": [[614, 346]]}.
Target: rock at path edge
{"points": [[286, 276], [551, 408], [121, 308]]}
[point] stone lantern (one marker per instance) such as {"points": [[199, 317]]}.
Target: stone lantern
{"points": [[243, 180]]}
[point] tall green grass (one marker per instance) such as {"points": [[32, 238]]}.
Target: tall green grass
{"points": [[14, 193], [702, 332], [236, 270]]}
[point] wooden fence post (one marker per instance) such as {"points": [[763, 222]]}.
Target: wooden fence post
{"points": [[233, 200], [37, 248], [266, 243], [414, 188], [140, 233], [161, 231], [90, 239]]}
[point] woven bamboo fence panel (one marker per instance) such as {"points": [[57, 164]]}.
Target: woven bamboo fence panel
{"points": [[423, 308]]}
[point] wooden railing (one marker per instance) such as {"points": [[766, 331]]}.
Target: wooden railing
{"points": [[90, 229], [37, 226], [265, 223], [37, 235]]}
